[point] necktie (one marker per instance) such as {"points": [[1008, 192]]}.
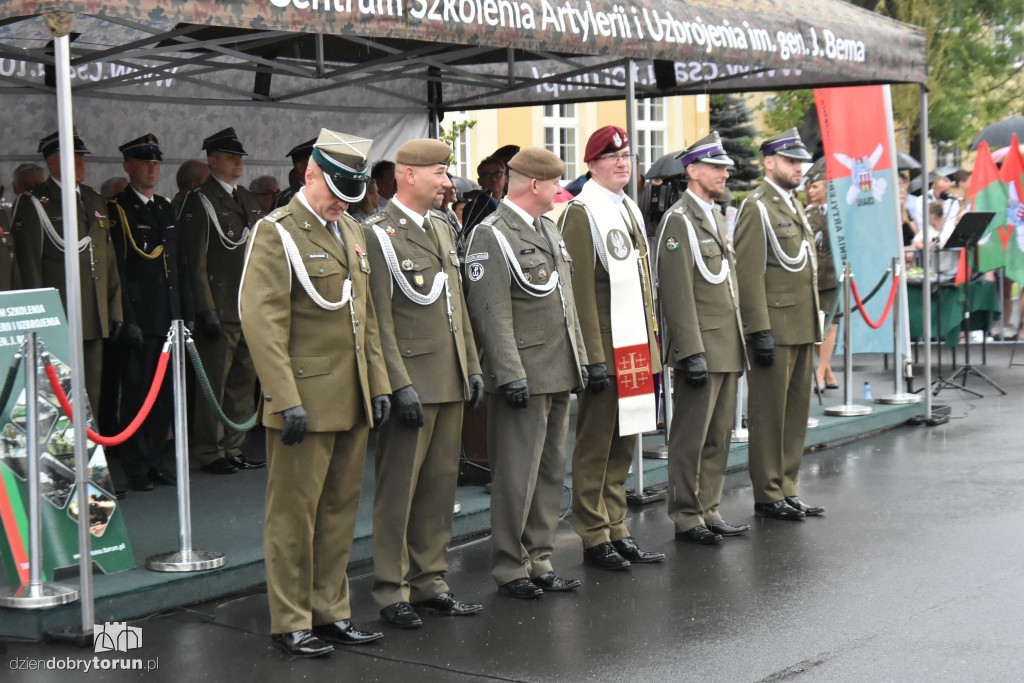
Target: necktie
{"points": [[234, 194], [429, 229], [337, 232]]}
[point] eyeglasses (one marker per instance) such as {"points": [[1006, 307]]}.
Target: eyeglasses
{"points": [[616, 158], [491, 174]]}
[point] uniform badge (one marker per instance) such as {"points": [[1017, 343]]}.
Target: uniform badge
{"points": [[527, 251], [671, 243], [407, 264], [617, 245], [479, 256], [390, 230], [231, 233], [527, 276], [417, 279], [44, 200], [542, 274], [401, 221], [475, 271]]}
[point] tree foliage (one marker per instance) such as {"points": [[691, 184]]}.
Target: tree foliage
{"points": [[731, 117]]}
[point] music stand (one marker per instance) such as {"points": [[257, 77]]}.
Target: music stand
{"points": [[966, 235]]}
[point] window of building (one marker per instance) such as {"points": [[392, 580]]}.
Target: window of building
{"points": [[461, 146], [650, 132], [561, 123]]}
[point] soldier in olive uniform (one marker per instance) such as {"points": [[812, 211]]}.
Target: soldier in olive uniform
{"points": [[154, 276], [299, 155], [521, 303], [434, 369], [602, 455], [38, 229], [703, 339], [828, 282], [779, 306], [308, 313], [214, 223]]}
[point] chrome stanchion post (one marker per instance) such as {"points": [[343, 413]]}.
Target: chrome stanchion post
{"points": [[660, 451], [849, 408], [898, 397], [641, 496], [739, 432], [36, 593], [185, 558]]}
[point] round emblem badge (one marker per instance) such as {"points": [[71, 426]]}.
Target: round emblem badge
{"points": [[407, 264], [671, 243], [617, 244], [475, 271]]}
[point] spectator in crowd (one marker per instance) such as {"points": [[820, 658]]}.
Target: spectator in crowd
{"points": [[191, 174], [367, 206], [266, 190], [383, 174], [113, 186]]}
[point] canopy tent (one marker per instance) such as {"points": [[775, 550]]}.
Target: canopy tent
{"points": [[416, 58]]}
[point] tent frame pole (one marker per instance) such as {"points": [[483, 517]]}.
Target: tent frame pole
{"points": [[926, 289]]}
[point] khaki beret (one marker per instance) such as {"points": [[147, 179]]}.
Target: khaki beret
{"points": [[423, 153], [536, 162]]}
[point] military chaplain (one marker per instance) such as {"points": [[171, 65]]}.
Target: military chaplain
{"points": [[519, 274], [305, 306], [605, 234], [777, 274], [703, 342], [157, 290], [434, 369], [215, 222], [38, 229]]}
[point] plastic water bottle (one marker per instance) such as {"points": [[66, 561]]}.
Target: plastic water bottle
{"points": [[867, 391]]}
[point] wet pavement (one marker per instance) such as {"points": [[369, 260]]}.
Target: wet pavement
{"points": [[915, 573]]}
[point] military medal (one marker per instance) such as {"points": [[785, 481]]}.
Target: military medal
{"points": [[231, 233], [417, 279], [565, 252], [527, 276], [542, 274], [390, 230], [362, 257], [407, 264], [671, 243]]}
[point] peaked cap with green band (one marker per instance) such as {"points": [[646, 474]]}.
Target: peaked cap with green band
{"points": [[344, 162]]}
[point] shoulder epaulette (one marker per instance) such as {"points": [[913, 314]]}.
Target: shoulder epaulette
{"points": [[278, 213], [375, 218]]}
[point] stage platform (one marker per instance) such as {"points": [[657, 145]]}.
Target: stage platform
{"points": [[227, 514]]}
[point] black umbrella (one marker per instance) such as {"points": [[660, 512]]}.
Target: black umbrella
{"points": [[998, 134], [665, 167]]}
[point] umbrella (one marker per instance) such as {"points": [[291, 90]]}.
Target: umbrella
{"points": [[905, 162], [464, 185], [665, 167], [998, 134]]}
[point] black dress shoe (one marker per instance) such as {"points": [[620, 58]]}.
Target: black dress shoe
{"points": [[604, 556], [803, 507], [240, 463], [301, 644], [344, 633], [831, 385], [140, 483], [219, 466], [402, 615], [628, 548], [699, 534], [120, 493], [446, 604], [549, 582], [723, 528], [780, 509], [162, 478], [521, 588]]}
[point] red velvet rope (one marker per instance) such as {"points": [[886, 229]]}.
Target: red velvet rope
{"points": [[888, 304], [147, 405]]}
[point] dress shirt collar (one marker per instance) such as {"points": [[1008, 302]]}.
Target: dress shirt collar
{"points": [[417, 218], [522, 214], [230, 189], [61, 187], [301, 194], [142, 198], [788, 196]]}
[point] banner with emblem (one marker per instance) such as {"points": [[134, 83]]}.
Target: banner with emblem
{"points": [[863, 202]]}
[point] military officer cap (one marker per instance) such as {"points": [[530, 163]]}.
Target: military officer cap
{"points": [[708, 150], [51, 144], [785, 144], [224, 141], [343, 160], [145, 148], [536, 162], [816, 172], [423, 153], [605, 140], [301, 151]]}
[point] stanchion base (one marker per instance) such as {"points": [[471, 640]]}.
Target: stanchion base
{"points": [[185, 561], [813, 422], [899, 399], [38, 596], [644, 497], [848, 410], [659, 452], [71, 634], [740, 435]]}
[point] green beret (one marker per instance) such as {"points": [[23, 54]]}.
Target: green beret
{"points": [[423, 152], [536, 162]]}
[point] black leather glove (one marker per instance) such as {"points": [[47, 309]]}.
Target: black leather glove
{"points": [[408, 407], [695, 370], [115, 330], [599, 379], [585, 376], [763, 345], [209, 323], [476, 391], [381, 411], [132, 334], [517, 393], [296, 424]]}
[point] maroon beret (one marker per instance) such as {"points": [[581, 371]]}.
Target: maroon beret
{"points": [[605, 141]]}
